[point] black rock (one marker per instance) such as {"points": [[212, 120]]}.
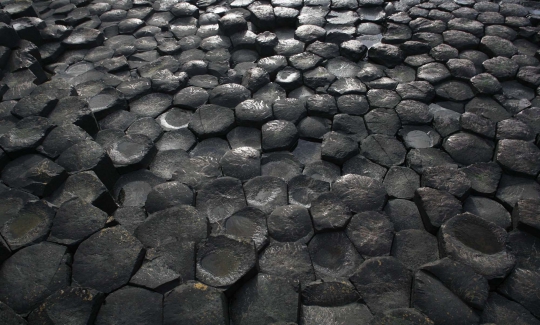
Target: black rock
{"points": [[151, 105], [290, 223], [350, 125], [76, 220], [484, 177], [191, 98], [433, 72], [347, 314], [401, 182], [517, 286], [106, 260], [68, 305], [253, 113], [167, 195], [469, 286], [191, 226], [166, 266], [446, 179], [432, 298], [131, 152], [88, 155], [382, 121], [384, 283], [514, 129], [211, 120], [403, 214], [477, 243], [360, 193], [371, 233], [405, 316], [513, 188], [466, 148], [82, 37], [222, 260], [414, 247], [333, 256], [229, 95], [41, 105], [518, 156], [44, 270], [248, 223], [383, 98], [384, 150], [314, 127], [500, 67], [8, 316], [30, 225], [221, 198], [488, 209], [33, 173], [436, 207], [502, 310], [27, 135], [255, 78], [386, 54], [329, 212], [304, 189], [279, 135], [289, 109], [289, 260], [195, 303], [61, 138], [9, 36], [132, 304], [497, 46], [265, 299]]}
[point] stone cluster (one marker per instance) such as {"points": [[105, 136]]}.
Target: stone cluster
{"points": [[315, 162]]}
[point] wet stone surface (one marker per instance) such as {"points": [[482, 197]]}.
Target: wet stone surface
{"points": [[269, 162]]}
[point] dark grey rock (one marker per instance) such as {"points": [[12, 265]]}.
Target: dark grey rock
{"points": [[68, 305], [518, 156], [44, 270], [333, 256], [384, 150], [248, 223], [106, 260], [371, 233], [33, 173], [360, 193], [265, 298], [477, 243], [432, 298], [222, 260], [488, 209], [279, 135], [30, 226], [76, 220], [466, 148], [403, 214], [446, 179], [210, 305], [401, 182], [384, 283], [132, 304], [414, 247], [436, 207], [290, 223], [289, 260], [502, 310]]}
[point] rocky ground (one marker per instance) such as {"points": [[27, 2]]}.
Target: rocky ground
{"points": [[295, 162]]}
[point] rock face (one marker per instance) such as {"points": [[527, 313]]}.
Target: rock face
{"points": [[269, 162], [107, 259]]}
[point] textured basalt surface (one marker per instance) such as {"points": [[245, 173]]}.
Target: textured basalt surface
{"points": [[315, 162]]}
